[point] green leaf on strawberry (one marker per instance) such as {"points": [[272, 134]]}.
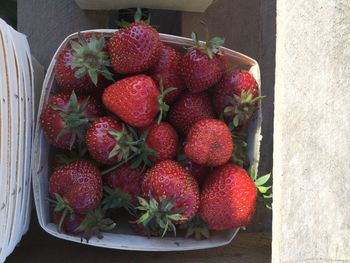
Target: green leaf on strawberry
{"points": [[159, 216], [90, 58]]}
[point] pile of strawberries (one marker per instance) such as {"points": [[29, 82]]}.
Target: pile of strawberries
{"points": [[139, 126]]}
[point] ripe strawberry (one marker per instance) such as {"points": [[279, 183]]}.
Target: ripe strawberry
{"points": [[228, 198], [236, 95], [66, 118], [76, 187], [134, 99], [199, 172], [123, 185], [209, 142], [190, 108], [108, 141], [163, 139], [141, 229], [171, 197], [82, 66], [135, 48], [168, 71], [87, 225], [202, 65], [70, 223]]}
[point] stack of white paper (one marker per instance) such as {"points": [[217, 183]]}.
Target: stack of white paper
{"points": [[16, 126]]}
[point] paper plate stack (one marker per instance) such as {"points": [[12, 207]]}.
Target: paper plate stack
{"points": [[16, 126]]}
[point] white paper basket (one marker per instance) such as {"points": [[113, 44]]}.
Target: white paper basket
{"points": [[124, 238], [16, 134]]}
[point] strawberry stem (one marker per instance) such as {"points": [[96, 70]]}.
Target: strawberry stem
{"points": [[163, 107], [110, 169]]}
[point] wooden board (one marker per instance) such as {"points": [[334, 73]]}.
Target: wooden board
{"points": [[40, 247]]}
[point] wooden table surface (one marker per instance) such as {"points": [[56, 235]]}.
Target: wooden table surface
{"points": [[53, 20]]}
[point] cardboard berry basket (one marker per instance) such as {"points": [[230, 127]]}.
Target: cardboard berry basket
{"points": [[123, 237], [16, 134]]}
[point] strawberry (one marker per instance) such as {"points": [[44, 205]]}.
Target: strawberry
{"points": [[70, 223], [65, 119], [168, 72], [76, 188], [203, 65], [133, 99], [171, 197], [135, 48], [142, 230], [122, 186], [82, 66], [209, 142], [163, 139], [236, 96], [190, 108], [87, 225], [228, 198], [199, 172], [108, 141], [62, 157]]}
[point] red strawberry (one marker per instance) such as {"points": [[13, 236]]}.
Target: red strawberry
{"points": [[228, 198], [202, 65], [237, 94], [65, 119], [209, 142], [87, 225], [168, 71], [70, 223], [190, 108], [141, 229], [123, 186], [199, 172], [82, 66], [172, 197], [163, 139], [76, 187], [108, 141], [135, 48], [133, 99]]}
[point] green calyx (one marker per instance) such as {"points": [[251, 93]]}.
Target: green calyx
{"points": [[209, 47], [126, 144], [159, 217], [144, 153], [239, 154], [94, 223], [116, 198], [196, 228], [163, 107], [140, 152], [90, 59], [264, 190], [137, 18], [74, 118], [61, 206], [242, 107]]}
